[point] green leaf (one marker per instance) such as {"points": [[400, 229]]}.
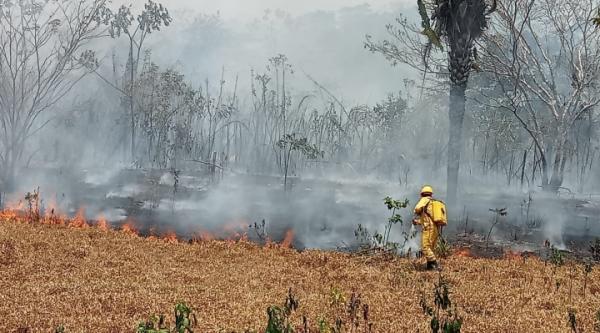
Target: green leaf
{"points": [[395, 219], [435, 325], [596, 19], [388, 201]]}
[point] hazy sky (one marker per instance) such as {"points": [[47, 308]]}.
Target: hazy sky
{"points": [[323, 38], [240, 9]]}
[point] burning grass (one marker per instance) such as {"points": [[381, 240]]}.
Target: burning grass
{"points": [[31, 212], [97, 280]]}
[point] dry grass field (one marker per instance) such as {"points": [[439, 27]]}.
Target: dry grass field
{"points": [[94, 280]]}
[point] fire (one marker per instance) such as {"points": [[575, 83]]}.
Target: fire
{"points": [[236, 237], [512, 255], [15, 205], [14, 211], [128, 228], [152, 233], [52, 215], [269, 242], [170, 237], [232, 232], [9, 214], [54, 218], [102, 223], [79, 220], [229, 235], [205, 236], [288, 239], [463, 252]]}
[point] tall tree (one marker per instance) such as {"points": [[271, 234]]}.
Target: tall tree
{"points": [[136, 29], [42, 57], [457, 24], [544, 57]]}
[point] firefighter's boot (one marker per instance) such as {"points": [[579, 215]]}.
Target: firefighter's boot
{"points": [[433, 266]]}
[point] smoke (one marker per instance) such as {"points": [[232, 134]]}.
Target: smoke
{"points": [[240, 10], [82, 159], [326, 44]]}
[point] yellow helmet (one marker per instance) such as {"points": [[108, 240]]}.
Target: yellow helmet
{"points": [[426, 190]]}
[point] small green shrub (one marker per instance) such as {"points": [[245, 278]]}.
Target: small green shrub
{"points": [[279, 316], [381, 242], [156, 324], [572, 321], [337, 298], [556, 257], [443, 248], [350, 315], [185, 320], [444, 319]]}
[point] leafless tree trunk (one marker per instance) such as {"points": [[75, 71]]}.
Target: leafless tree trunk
{"points": [[547, 86], [42, 57]]}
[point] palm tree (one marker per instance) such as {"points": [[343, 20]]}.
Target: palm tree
{"points": [[457, 24]]}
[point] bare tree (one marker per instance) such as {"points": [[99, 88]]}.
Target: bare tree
{"points": [[42, 57], [547, 85]]}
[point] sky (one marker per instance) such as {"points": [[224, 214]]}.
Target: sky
{"points": [[240, 9], [322, 38]]}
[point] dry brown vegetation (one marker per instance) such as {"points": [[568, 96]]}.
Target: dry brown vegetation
{"points": [[92, 280]]}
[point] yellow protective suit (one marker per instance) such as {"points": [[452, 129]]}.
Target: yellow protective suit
{"points": [[429, 235]]}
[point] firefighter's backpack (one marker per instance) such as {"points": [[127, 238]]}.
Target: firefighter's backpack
{"points": [[438, 212]]}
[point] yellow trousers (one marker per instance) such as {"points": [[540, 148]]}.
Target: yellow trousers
{"points": [[429, 238]]}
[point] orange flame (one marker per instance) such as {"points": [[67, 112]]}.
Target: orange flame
{"points": [[9, 214], [463, 252], [205, 236], [79, 220], [50, 214], [288, 239], [512, 255], [170, 237], [53, 216], [129, 229], [152, 232], [102, 223], [233, 237], [228, 234], [269, 242], [13, 211], [232, 232], [14, 205]]}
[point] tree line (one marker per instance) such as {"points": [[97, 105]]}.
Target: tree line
{"points": [[520, 77]]}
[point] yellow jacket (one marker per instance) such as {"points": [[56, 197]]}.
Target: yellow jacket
{"points": [[423, 212]]}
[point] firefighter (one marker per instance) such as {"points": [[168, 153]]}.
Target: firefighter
{"points": [[429, 236]]}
